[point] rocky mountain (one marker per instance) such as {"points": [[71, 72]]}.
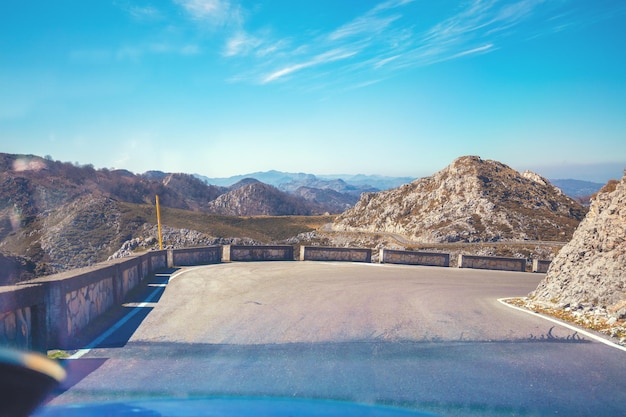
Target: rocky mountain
{"points": [[338, 185], [471, 200], [369, 182], [576, 188], [15, 269], [56, 216], [289, 182], [243, 183], [273, 177], [326, 199], [590, 271], [258, 199]]}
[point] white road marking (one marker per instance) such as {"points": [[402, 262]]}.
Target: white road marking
{"points": [[564, 324], [82, 352]]}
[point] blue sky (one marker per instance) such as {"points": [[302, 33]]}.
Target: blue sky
{"points": [[398, 87]]}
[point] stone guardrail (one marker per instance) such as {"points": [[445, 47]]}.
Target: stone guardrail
{"points": [[492, 262], [23, 316], [49, 312], [205, 255], [247, 253], [389, 256], [541, 266], [320, 253]]}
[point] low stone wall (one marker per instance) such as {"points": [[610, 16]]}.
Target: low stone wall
{"points": [[492, 262], [22, 317], [204, 255], [51, 311], [319, 253], [155, 261], [414, 258], [541, 266], [260, 253]]}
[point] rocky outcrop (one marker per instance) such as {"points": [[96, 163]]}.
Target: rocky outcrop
{"points": [[258, 199], [471, 200], [14, 269], [81, 232], [173, 238], [326, 200], [590, 271]]}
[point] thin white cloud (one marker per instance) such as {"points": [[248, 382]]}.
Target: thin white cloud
{"points": [[146, 13], [384, 61], [241, 43], [368, 25], [474, 30], [205, 9], [389, 37], [479, 50], [324, 58]]}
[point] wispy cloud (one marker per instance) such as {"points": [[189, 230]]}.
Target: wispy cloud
{"points": [[365, 25], [389, 37], [325, 58], [241, 43], [479, 50], [146, 13], [206, 9]]}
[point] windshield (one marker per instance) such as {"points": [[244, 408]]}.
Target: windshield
{"points": [[385, 207]]}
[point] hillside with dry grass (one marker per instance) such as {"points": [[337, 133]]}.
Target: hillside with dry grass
{"points": [[56, 216]]}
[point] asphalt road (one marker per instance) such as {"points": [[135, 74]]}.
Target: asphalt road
{"points": [[426, 338]]}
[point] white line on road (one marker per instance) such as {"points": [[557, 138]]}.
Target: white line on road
{"points": [[82, 352], [561, 323]]}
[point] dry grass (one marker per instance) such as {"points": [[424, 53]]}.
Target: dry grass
{"points": [[589, 321], [262, 228]]}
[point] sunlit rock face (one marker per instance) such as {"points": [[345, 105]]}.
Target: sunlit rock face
{"points": [[471, 200], [590, 271]]}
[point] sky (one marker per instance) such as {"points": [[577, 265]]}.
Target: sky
{"points": [[387, 87]]}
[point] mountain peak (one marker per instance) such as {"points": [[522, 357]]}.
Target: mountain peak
{"points": [[470, 200]]}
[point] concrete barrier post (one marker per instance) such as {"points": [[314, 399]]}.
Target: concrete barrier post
{"points": [[22, 317], [202, 255], [541, 266], [492, 262], [414, 258], [321, 253], [158, 260], [57, 321], [261, 253]]}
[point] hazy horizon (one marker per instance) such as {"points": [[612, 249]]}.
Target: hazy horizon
{"points": [[598, 173]]}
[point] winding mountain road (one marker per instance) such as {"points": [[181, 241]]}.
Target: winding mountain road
{"points": [[432, 339]]}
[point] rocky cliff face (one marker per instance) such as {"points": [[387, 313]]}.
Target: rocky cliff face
{"points": [[15, 269], [258, 199], [590, 271], [326, 199], [470, 200]]}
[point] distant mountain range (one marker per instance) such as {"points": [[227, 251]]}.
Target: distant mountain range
{"points": [[289, 182], [357, 184], [577, 188], [57, 215]]}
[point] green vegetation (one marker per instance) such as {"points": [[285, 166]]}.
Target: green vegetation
{"points": [[58, 354]]}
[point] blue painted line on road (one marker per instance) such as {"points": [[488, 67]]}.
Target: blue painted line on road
{"points": [[564, 324], [153, 295]]}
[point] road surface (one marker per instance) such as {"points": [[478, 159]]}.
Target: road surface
{"points": [[426, 338]]}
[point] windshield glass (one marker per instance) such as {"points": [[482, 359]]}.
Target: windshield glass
{"points": [[385, 207]]}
